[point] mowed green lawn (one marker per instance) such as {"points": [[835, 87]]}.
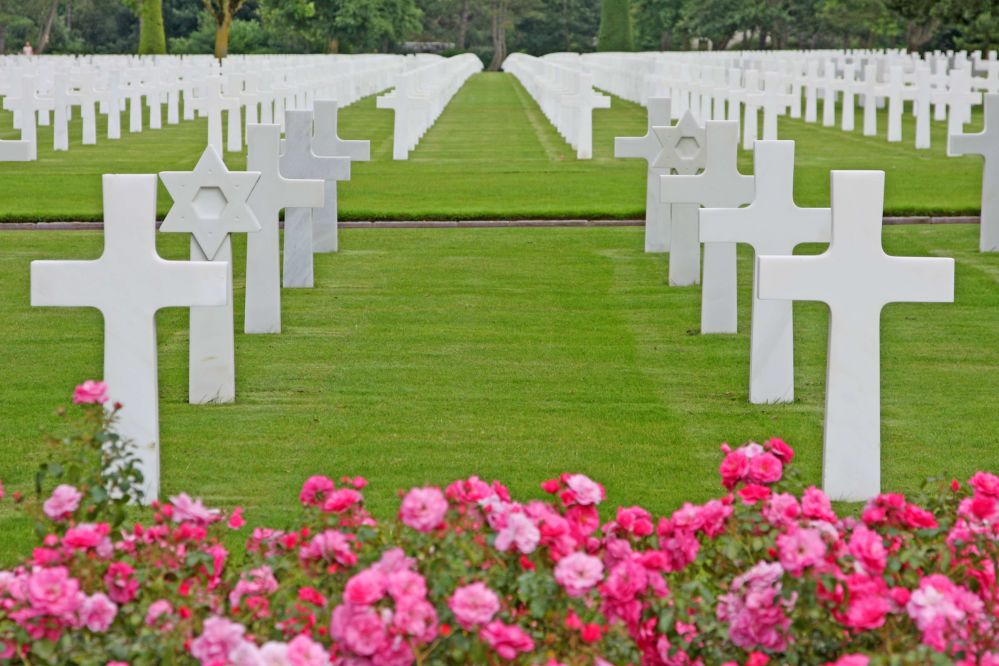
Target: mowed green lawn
{"points": [[426, 355], [492, 154]]}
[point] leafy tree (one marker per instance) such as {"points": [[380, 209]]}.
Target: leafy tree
{"points": [[557, 25], [152, 38], [223, 11], [615, 26], [658, 25]]}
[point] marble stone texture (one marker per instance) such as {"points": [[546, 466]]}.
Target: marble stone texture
{"points": [[856, 279], [986, 144], [648, 147], [327, 143], [263, 252], [210, 203], [682, 154], [299, 160], [129, 283], [773, 225], [719, 185]]}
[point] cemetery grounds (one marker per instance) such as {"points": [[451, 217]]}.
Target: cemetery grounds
{"points": [[427, 355]]}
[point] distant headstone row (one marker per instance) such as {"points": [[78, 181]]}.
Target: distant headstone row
{"points": [[49, 90], [737, 85], [565, 93]]}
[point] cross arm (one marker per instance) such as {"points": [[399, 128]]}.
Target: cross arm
{"points": [[64, 283], [302, 193], [645, 147], [921, 279], [965, 144], [791, 278], [190, 283]]}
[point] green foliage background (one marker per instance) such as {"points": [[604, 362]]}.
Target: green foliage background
{"points": [[615, 26], [532, 26]]}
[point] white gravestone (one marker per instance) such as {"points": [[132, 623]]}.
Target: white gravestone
{"points": [[327, 143], [648, 147], [921, 107], [683, 154], [211, 103], [263, 250], [299, 160], [26, 148], [773, 225], [720, 185], [211, 203], [129, 284], [856, 279], [986, 144]]}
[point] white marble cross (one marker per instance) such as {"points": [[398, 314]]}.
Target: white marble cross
{"points": [[683, 153], [300, 160], [921, 107], [720, 185], [773, 225], [210, 203], [897, 94], [263, 250], [847, 86], [829, 92], [870, 91], [776, 101], [327, 143], [24, 149], [211, 103], [129, 284], [856, 279], [648, 147], [986, 144]]}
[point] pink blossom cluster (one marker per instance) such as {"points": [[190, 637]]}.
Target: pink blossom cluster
{"points": [[767, 573], [385, 614]]}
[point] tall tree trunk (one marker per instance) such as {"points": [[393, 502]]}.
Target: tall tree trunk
{"points": [[152, 38], [222, 37], [466, 12], [43, 38], [499, 34]]}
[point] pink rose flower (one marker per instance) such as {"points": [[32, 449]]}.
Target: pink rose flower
{"points": [[416, 618], [90, 392], [64, 501], [406, 586], [339, 501], [423, 509], [850, 660], [236, 519], [985, 483], [765, 468], [186, 510], [586, 492], [329, 546], [815, 505], [473, 605], [578, 573], [359, 628], [86, 535], [733, 468], [97, 612], [218, 640], [780, 449], [365, 588], [53, 591], [122, 585], [156, 610], [868, 550], [519, 530], [800, 549], [303, 651], [508, 640], [314, 490]]}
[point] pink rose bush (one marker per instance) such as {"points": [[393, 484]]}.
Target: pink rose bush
{"points": [[765, 573]]}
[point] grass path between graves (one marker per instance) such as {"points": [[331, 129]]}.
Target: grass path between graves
{"points": [[491, 155], [426, 355]]}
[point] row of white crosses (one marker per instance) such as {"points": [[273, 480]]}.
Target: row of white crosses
{"points": [[50, 89], [420, 96], [130, 282], [696, 166], [729, 85], [564, 91]]}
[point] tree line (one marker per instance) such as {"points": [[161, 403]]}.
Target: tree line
{"points": [[490, 28]]}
